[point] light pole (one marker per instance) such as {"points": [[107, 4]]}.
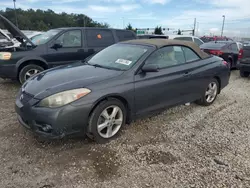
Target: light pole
{"points": [[223, 25], [14, 1]]}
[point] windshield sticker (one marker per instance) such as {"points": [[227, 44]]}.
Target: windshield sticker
{"points": [[123, 61]]}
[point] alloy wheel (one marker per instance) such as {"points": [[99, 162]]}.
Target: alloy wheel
{"points": [[30, 73], [110, 121], [211, 92]]}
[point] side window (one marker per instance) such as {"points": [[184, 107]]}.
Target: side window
{"points": [[99, 38], [184, 38], [70, 39], [235, 47], [167, 56], [197, 41], [190, 55], [125, 35]]}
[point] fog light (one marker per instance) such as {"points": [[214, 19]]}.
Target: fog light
{"points": [[46, 128]]}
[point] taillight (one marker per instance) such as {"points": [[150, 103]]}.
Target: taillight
{"points": [[225, 63], [216, 52], [240, 55]]}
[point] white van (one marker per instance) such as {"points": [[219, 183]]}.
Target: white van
{"points": [[187, 38]]}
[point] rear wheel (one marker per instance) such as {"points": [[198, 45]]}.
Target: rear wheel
{"points": [[106, 120], [28, 71], [244, 74], [210, 94]]}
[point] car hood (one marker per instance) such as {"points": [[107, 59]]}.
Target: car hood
{"points": [[64, 78], [14, 31]]}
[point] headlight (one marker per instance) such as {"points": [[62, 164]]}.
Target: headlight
{"points": [[64, 98], [5, 55]]}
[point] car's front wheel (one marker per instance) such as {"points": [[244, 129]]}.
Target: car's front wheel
{"points": [[28, 71], [210, 93], [244, 74], [106, 120]]}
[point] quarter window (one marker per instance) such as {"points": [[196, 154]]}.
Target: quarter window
{"points": [[234, 47], [99, 37], [70, 39], [197, 41], [125, 35], [190, 55], [167, 57]]}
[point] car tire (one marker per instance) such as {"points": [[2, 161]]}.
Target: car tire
{"points": [[28, 71], [209, 92], [244, 74], [112, 125]]}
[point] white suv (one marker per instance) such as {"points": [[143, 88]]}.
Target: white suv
{"points": [[187, 38]]}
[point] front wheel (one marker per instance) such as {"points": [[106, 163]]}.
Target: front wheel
{"points": [[210, 93], [28, 71], [244, 74], [106, 120]]}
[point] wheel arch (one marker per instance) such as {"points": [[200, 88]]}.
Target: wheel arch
{"points": [[118, 97], [36, 61], [219, 81]]}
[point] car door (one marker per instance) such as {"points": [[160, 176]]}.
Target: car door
{"points": [[66, 48], [97, 40], [156, 90], [196, 79]]}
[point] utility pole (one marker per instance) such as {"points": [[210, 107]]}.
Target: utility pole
{"points": [[14, 1], [223, 25], [194, 26]]}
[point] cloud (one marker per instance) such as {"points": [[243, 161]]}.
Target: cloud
{"points": [[107, 9], [236, 14], [162, 2]]}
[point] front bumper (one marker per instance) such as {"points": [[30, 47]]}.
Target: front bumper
{"points": [[8, 71], [245, 67], [53, 123]]}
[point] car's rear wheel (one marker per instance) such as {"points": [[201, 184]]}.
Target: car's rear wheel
{"points": [[210, 93], [106, 120], [28, 71], [244, 74]]}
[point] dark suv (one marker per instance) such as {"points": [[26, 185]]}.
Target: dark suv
{"points": [[54, 47]]}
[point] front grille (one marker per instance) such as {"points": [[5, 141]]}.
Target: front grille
{"points": [[25, 97]]}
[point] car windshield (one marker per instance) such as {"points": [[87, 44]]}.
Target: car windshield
{"points": [[118, 56], [45, 37]]}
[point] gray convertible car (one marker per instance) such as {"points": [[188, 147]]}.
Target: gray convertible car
{"points": [[131, 79]]}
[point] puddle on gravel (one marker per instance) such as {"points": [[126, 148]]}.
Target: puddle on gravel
{"points": [[157, 157], [105, 163]]}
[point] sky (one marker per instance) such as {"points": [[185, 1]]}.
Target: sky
{"points": [[174, 14]]}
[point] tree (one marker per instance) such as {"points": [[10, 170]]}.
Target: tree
{"points": [[129, 27], [179, 32], [47, 19], [158, 31]]}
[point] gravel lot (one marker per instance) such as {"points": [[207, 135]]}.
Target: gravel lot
{"points": [[186, 146]]}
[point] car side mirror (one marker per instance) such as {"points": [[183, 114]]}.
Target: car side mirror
{"points": [[150, 68], [56, 45]]}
